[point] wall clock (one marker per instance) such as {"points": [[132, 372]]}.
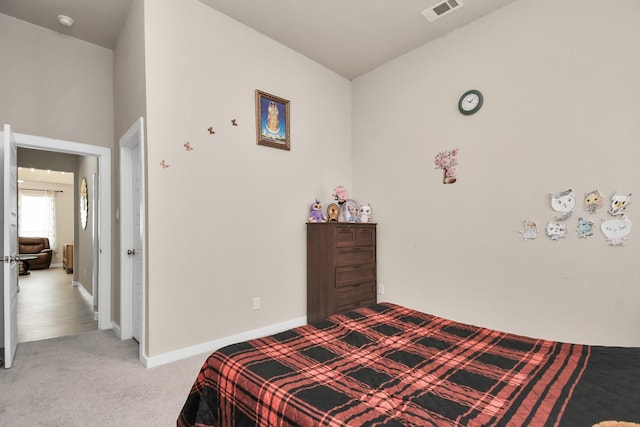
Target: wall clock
{"points": [[84, 203], [470, 102]]}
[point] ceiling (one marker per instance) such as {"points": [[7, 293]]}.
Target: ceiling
{"points": [[350, 37], [96, 21], [48, 176]]}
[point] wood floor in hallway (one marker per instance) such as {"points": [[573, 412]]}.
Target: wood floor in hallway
{"points": [[50, 306]]}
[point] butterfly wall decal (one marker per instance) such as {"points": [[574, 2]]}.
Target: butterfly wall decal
{"points": [[211, 131], [187, 146], [234, 122], [164, 164]]}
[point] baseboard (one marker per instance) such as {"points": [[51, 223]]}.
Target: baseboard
{"points": [[211, 346]]}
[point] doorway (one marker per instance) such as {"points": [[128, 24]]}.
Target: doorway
{"points": [[54, 299], [10, 143], [102, 254]]}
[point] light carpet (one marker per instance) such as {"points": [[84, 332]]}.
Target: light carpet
{"points": [[92, 379]]}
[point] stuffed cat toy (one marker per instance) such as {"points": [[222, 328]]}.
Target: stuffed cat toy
{"points": [[366, 214]]}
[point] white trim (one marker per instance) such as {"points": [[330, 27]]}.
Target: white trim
{"points": [[208, 347], [83, 291], [104, 228], [117, 330]]}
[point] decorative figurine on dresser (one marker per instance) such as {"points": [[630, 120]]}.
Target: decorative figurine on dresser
{"points": [[315, 213], [341, 267]]}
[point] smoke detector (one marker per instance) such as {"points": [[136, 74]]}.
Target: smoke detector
{"points": [[65, 21], [440, 9]]}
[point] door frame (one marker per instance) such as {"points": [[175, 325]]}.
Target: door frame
{"points": [[10, 247], [103, 208], [133, 139]]}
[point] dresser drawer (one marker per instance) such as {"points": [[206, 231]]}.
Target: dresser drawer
{"points": [[346, 276], [352, 235], [355, 255], [355, 293]]}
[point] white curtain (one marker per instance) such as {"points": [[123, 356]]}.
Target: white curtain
{"points": [[37, 215], [51, 198]]}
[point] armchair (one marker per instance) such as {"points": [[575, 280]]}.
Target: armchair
{"points": [[38, 246]]}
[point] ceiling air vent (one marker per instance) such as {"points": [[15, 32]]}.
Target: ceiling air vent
{"points": [[441, 9]]}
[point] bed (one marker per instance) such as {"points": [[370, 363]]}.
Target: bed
{"points": [[388, 365]]}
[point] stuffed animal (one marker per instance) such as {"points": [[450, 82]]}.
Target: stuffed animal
{"points": [[365, 214], [316, 214]]}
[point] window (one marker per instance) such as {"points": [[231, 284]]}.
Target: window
{"points": [[38, 216]]}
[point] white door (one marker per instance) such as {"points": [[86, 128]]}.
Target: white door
{"points": [[136, 237], [132, 238], [10, 237]]}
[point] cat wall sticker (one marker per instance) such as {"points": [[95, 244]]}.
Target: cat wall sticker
{"points": [[563, 203], [556, 230], [619, 203], [615, 230], [584, 228], [530, 230], [593, 201]]}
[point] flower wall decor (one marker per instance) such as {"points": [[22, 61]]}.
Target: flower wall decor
{"points": [[447, 161]]}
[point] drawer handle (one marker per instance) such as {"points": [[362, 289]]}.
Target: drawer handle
{"points": [[355, 267]]}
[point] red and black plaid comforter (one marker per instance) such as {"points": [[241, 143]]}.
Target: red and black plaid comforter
{"points": [[387, 365]]}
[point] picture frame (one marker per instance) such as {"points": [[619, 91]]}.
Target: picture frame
{"points": [[273, 121], [349, 211]]}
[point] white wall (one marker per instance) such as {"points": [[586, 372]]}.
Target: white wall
{"points": [[56, 86], [227, 220], [561, 110]]}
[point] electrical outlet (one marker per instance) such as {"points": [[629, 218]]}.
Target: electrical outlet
{"points": [[256, 303], [380, 289]]}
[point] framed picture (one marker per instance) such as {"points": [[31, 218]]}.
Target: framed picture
{"points": [[349, 211], [272, 121]]}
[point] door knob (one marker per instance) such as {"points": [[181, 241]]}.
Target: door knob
{"points": [[131, 252]]}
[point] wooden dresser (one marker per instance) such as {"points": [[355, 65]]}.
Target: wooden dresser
{"points": [[341, 267], [67, 258]]}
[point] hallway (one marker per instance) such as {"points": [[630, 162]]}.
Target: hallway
{"points": [[49, 306]]}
